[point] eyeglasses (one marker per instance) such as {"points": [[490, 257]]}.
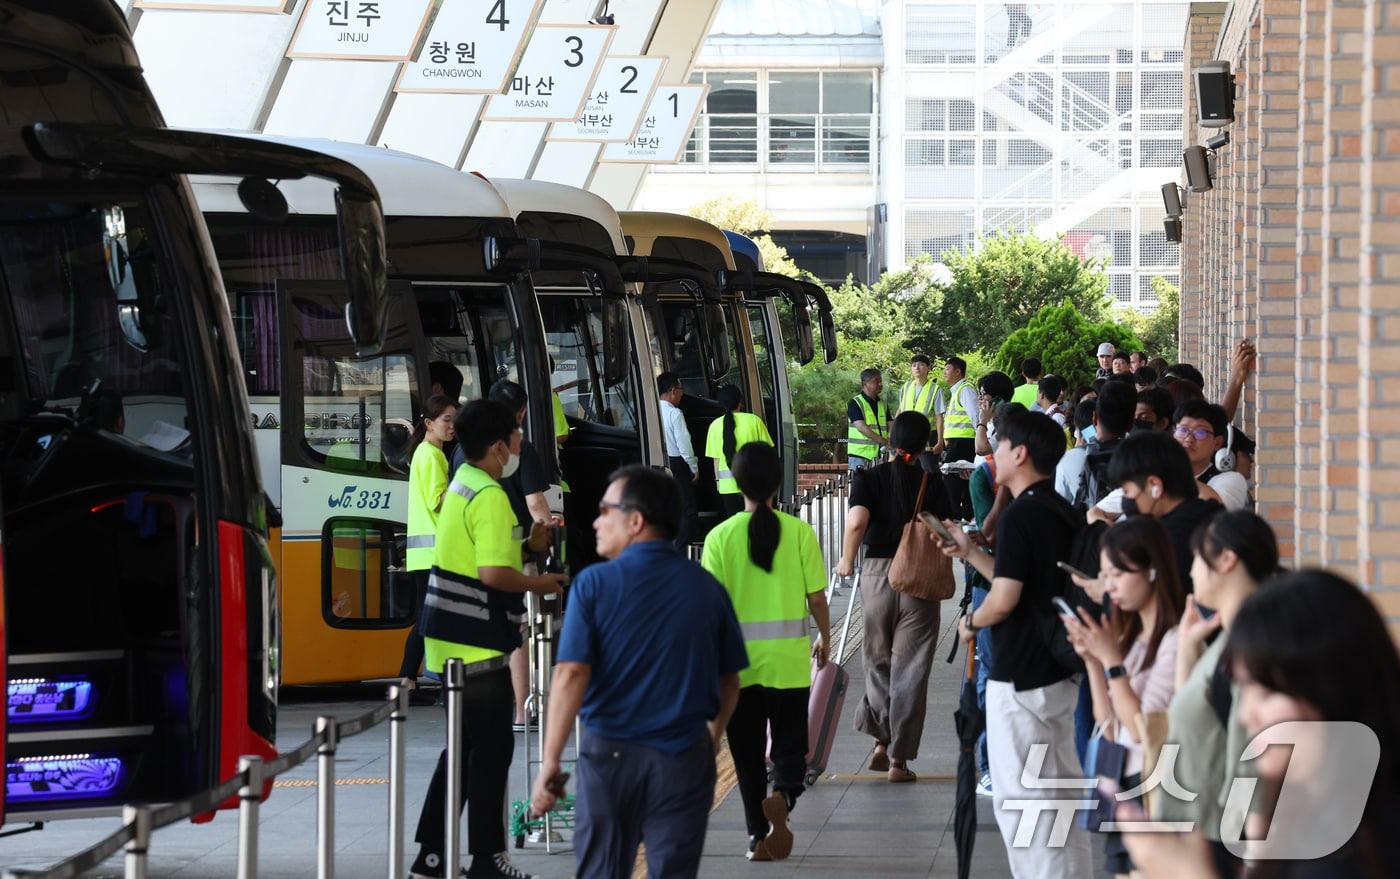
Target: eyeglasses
{"points": [[604, 506], [1200, 434]]}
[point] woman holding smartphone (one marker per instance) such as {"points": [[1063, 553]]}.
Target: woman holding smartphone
{"points": [[1130, 657]]}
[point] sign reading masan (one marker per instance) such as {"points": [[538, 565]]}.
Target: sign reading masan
{"points": [[364, 30], [472, 47], [555, 75], [666, 127], [616, 102]]}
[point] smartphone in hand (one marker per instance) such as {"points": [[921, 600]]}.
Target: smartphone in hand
{"points": [[1063, 607], [931, 523], [1071, 569]]}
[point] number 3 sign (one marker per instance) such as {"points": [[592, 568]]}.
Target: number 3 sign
{"points": [[555, 74]]}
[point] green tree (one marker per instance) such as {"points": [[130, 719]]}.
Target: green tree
{"points": [[1157, 330], [747, 218], [996, 288], [1065, 341]]}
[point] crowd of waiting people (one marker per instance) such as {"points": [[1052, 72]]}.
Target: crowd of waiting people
{"points": [[1128, 614]]}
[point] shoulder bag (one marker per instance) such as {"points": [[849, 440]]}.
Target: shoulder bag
{"points": [[919, 568]]}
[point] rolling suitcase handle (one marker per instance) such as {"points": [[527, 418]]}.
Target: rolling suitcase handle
{"points": [[840, 653]]}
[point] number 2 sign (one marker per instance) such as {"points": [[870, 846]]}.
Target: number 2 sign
{"points": [[616, 102], [472, 47]]}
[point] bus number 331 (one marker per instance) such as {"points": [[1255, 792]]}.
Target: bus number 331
{"points": [[351, 498]]}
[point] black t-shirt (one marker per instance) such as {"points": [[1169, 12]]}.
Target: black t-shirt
{"points": [[1030, 540], [528, 479], [889, 491], [1180, 524]]}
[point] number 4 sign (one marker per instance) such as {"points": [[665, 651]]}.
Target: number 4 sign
{"points": [[555, 75], [616, 101], [472, 47], [667, 125]]}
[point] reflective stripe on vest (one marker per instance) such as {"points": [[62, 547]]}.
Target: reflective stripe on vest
{"points": [[957, 421], [458, 488], [857, 443], [774, 629], [909, 402], [724, 474], [422, 541]]}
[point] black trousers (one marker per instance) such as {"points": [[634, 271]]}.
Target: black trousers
{"points": [[413, 646], [731, 503], [685, 481], [488, 743], [784, 713], [959, 449]]}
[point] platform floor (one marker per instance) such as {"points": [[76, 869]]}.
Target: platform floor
{"points": [[852, 823]]}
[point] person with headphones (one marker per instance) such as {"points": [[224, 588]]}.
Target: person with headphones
{"points": [[1205, 433]]}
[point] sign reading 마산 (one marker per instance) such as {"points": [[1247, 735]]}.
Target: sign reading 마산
{"points": [[472, 47], [616, 102], [364, 30], [667, 125], [554, 76]]}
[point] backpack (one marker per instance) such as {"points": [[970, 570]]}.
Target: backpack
{"points": [[1094, 484], [1084, 550]]}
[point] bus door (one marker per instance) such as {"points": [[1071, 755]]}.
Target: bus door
{"points": [[348, 420]]}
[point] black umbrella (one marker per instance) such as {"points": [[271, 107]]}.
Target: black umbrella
{"points": [[970, 721]]}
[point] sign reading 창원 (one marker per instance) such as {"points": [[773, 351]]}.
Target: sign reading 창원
{"points": [[364, 30], [665, 129], [472, 47], [555, 74], [616, 102]]}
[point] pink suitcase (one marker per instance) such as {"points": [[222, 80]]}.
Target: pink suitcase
{"points": [[824, 708]]}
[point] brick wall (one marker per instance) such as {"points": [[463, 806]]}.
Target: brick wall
{"points": [[1298, 246]]}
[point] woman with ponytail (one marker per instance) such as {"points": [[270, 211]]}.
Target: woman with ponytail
{"points": [[729, 433], [771, 566], [427, 481]]}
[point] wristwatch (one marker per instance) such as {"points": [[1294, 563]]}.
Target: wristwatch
{"points": [[1115, 671]]}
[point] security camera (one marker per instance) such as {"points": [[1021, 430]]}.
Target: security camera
{"points": [[1198, 173], [1173, 199], [1220, 141], [1172, 226]]}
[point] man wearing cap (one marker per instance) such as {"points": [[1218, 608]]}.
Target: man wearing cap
{"points": [[1106, 352]]}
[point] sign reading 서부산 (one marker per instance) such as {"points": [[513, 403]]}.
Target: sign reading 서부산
{"points": [[363, 30], [665, 128], [555, 74], [616, 102], [472, 47]]}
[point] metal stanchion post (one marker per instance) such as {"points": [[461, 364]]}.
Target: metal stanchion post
{"points": [[452, 841], [821, 527], [397, 744], [325, 798], [140, 843], [249, 798]]}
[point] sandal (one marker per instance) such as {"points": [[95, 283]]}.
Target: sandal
{"points": [[900, 774], [880, 760]]}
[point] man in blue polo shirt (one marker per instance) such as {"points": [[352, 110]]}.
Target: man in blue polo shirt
{"points": [[650, 659]]}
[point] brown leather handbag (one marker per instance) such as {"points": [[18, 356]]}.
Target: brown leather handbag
{"points": [[919, 568]]}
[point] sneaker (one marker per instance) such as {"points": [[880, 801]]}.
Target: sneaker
{"points": [[984, 785], [497, 866], [779, 838], [421, 698], [758, 851], [428, 865]]}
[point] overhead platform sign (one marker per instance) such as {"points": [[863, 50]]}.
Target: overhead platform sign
{"points": [[472, 47], [666, 127], [363, 30], [278, 6], [555, 76], [617, 101]]}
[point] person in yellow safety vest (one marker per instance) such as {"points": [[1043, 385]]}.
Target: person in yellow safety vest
{"points": [[959, 430], [473, 612], [427, 483], [868, 436], [727, 434], [1032, 372], [920, 393], [771, 565]]}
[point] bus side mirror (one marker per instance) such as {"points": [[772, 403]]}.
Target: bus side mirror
{"points": [[362, 262], [617, 341], [719, 336], [802, 324], [828, 334]]}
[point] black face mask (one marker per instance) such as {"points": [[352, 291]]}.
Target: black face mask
{"points": [[1130, 507], [1144, 425]]}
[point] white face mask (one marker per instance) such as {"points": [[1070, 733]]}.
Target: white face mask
{"points": [[512, 464]]}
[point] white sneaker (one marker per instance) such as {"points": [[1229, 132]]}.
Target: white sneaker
{"points": [[984, 786]]}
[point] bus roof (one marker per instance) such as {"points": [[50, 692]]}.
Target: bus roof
{"points": [[644, 227], [542, 197], [744, 246], [409, 185]]}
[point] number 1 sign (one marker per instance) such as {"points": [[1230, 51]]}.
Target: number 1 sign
{"points": [[667, 125], [472, 47]]}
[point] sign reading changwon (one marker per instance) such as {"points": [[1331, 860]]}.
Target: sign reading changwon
{"points": [[472, 47]]}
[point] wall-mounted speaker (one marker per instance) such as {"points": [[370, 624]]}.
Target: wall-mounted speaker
{"points": [[1172, 226], [1215, 94], [1197, 164], [1171, 199]]}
